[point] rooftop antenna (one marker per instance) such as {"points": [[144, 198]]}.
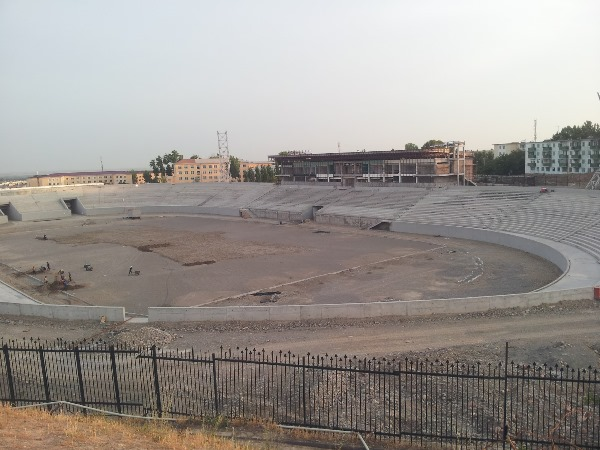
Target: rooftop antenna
{"points": [[339, 148], [223, 145], [534, 130], [101, 164]]}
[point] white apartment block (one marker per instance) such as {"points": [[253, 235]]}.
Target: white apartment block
{"points": [[505, 149], [572, 156]]}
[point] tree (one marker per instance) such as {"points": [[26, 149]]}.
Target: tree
{"points": [[484, 162], [257, 174], [512, 163], [160, 165], [147, 176], [169, 170], [270, 174], [234, 167], [263, 174], [249, 175], [194, 157], [588, 130], [411, 146], [133, 176], [432, 143]]}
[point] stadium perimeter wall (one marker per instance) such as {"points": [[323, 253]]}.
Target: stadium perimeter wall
{"points": [[362, 310], [526, 244], [64, 312], [163, 209]]}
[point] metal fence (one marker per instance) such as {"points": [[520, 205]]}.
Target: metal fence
{"points": [[421, 402]]}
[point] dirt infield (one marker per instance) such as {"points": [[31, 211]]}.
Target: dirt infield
{"points": [[346, 265], [195, 261]]}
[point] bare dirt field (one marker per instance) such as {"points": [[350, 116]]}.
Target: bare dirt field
{"points": [[185, 261]]}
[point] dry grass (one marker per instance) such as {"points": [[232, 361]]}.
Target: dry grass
{"points": [[38, 430]]}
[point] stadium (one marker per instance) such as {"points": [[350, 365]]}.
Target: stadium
{"points": [[244, 251]]}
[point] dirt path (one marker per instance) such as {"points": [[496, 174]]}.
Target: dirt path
{"points": [[561, 334]]}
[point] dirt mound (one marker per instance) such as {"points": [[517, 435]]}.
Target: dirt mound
{"points": [[141, 337]]}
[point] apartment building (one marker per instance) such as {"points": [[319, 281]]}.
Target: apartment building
{"points": [[505, 149], [565, 156], [211, 170], [68, 178]]}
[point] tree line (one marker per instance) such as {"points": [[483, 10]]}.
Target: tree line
{"points": [[512, 163], [588, 130]]}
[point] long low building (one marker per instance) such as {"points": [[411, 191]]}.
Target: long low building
{"points": [[71, 178], [445, 164]]}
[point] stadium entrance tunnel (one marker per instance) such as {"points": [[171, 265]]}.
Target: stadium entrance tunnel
{"points": [[384, 225], [74, 205], [4, 209]]}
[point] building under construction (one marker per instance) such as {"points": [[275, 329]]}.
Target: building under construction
{"points": [[443, 164]]}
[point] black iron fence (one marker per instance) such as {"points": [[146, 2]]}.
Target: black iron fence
{"points": [[451, 403]]}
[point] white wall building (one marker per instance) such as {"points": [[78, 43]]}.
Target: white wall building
{"points": [[573, 156], [505, 149]]}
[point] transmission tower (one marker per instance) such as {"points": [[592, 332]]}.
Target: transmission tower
{"points": [[223, 145]]}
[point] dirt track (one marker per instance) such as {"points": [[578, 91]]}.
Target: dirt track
{"points": [[560, 334]]}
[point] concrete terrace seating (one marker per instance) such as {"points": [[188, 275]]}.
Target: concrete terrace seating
{"points": [[45, 206], [564, 215], [290, 203], [238, 194], [466, 207], [375, 203]]}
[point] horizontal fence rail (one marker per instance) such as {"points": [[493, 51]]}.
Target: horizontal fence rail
{"points": [[418, 401]]}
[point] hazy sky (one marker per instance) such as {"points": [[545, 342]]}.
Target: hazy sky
{"points": [[127, 80]]}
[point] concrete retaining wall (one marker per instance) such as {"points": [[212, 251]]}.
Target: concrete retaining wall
{"points": [[529, 244], [352, 221], [64, 312], [361, 310], [162, 209]]}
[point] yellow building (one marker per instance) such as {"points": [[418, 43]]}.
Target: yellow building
{"points": [[67, 178], [210, 170]]}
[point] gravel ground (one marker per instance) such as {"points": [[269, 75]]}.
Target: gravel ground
{"points": [[566, 333]]}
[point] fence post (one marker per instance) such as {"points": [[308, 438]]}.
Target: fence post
{"points": [[45, 377], [304, 389], [11, 386], [80, 378], [505, 427], [156, 382], [215, 388], [113, 363]]}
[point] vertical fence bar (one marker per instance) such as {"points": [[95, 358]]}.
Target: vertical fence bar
{"points": [[505, 425], [304, 391], [215, 386], [115, 377], [11, 386], [45, 376], [80, 377], [156, 381]]}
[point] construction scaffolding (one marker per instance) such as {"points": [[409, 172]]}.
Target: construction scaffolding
{"points": [[446, 164]]}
